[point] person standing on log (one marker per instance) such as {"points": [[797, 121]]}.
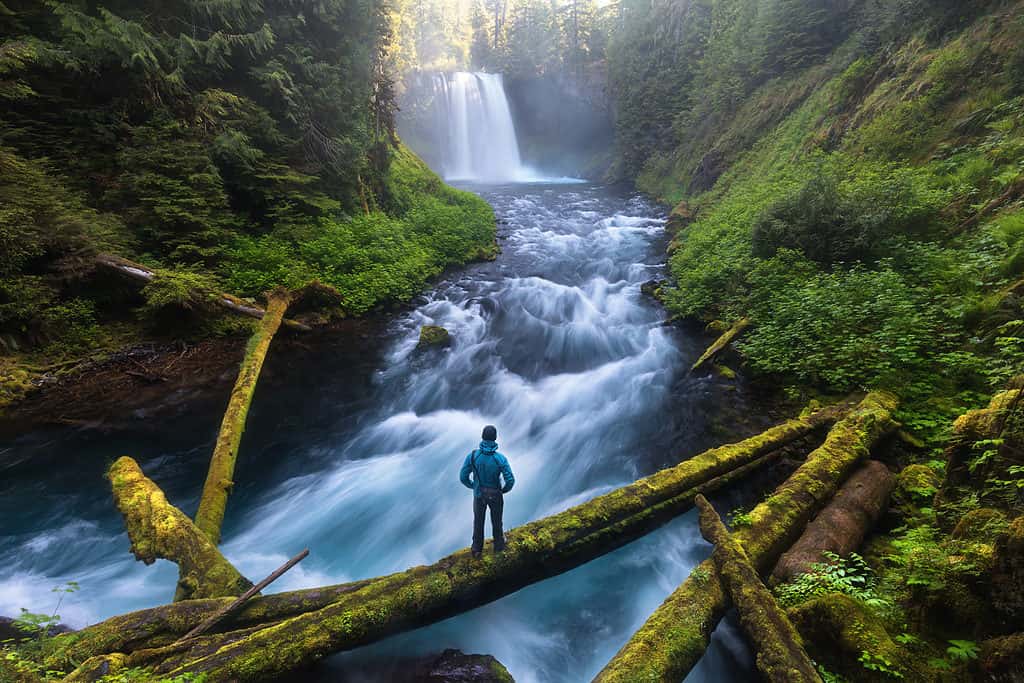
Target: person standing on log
{"points": [[483, 471]]}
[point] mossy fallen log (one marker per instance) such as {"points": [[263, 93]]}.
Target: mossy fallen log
{"points": [[220, 477], [780, 654], [721, 343], [140, 273], [157, 529], [675, 637], [842, 525], [305, 625]]}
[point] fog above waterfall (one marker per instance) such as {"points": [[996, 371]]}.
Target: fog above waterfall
{"points": [[480, 127]]}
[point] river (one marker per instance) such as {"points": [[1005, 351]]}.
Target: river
{"points": [[358, 457]]}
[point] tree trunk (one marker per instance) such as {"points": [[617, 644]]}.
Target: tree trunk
{"points": [[841, 527], [304, 625], [219, 478], [780, 654], [141, 273], [674, 638], [721, 343], [157, 529]]}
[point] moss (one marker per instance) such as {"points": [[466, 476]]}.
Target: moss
{"points": [[981, 525], [434, 335], [674, 638], [837, 630], [915, 485], [724, 371], [220, 477], [721, 343], [1008, 573], [157, 529], [421, 595], [780, 654]]}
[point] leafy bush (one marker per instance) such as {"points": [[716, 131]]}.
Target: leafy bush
{"points": [[847, 329], [850, 576], [835, 220]]}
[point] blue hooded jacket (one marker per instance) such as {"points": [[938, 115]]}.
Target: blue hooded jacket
{"points": [[489, 464]]}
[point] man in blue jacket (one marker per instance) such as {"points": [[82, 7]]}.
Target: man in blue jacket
{"points": [[483, 471]]}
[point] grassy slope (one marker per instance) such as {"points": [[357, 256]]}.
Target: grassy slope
{"points": [[922, 145]]}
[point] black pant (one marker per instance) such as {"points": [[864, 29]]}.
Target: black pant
{"points": [[496, 502]]}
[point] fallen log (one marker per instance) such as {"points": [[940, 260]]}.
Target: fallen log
{"points": [[242, 599], [675, 637], [721, 343], [780, 654], [841, 527], [219, 478], [305, 625], [140, 273], [157, 529]]}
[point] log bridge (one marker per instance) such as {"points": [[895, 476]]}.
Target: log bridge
{"points": [[265, 636]]}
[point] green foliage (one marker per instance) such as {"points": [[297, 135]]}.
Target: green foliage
{"points": [[834, 219], [180, 289], [850, 576], [376, 257], [847, 329], [962, 650], [740, 518], [879, 663]]}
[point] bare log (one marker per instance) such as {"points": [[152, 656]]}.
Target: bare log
{"points": [[721, 343], [140, 273], [841, 527], [219, 478], [780, 654], [157, 529], [310, 624], [242, 599], [675, 637]]}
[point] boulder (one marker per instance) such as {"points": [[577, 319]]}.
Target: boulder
{"points": [[453, 666], [434, 335]]}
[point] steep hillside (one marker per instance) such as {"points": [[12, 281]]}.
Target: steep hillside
{"points": [[227, 146], [849, 178]]}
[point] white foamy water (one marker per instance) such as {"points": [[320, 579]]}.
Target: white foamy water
{"points": [[553, 343]]}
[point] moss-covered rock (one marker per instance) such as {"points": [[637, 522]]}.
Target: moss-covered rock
{"points": [[434, 336], [1008, 574], [916, 486], [982, 525], [838, 630]]}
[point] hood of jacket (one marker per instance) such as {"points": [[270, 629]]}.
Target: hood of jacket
{"points": [[488, 446]]}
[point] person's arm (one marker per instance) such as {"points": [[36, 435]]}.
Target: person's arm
{"points": [[467, 469], [506, 474]]}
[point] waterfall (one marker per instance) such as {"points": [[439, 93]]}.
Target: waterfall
{"points": [[474, 124]]}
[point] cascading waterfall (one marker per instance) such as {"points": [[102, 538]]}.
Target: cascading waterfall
{"points": [[473, 121]]}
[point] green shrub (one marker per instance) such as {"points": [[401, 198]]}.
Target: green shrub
{"points": [[833, 220], [850, 576], [847, 329]]}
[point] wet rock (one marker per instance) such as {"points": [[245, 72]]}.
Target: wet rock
{"points": [[453, 666], [652, 288], [433, 335]]}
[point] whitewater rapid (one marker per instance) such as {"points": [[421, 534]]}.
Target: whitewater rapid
{"points": [[553, 343]]}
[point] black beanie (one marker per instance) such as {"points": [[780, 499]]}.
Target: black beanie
{"points": [[490, 433]]}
